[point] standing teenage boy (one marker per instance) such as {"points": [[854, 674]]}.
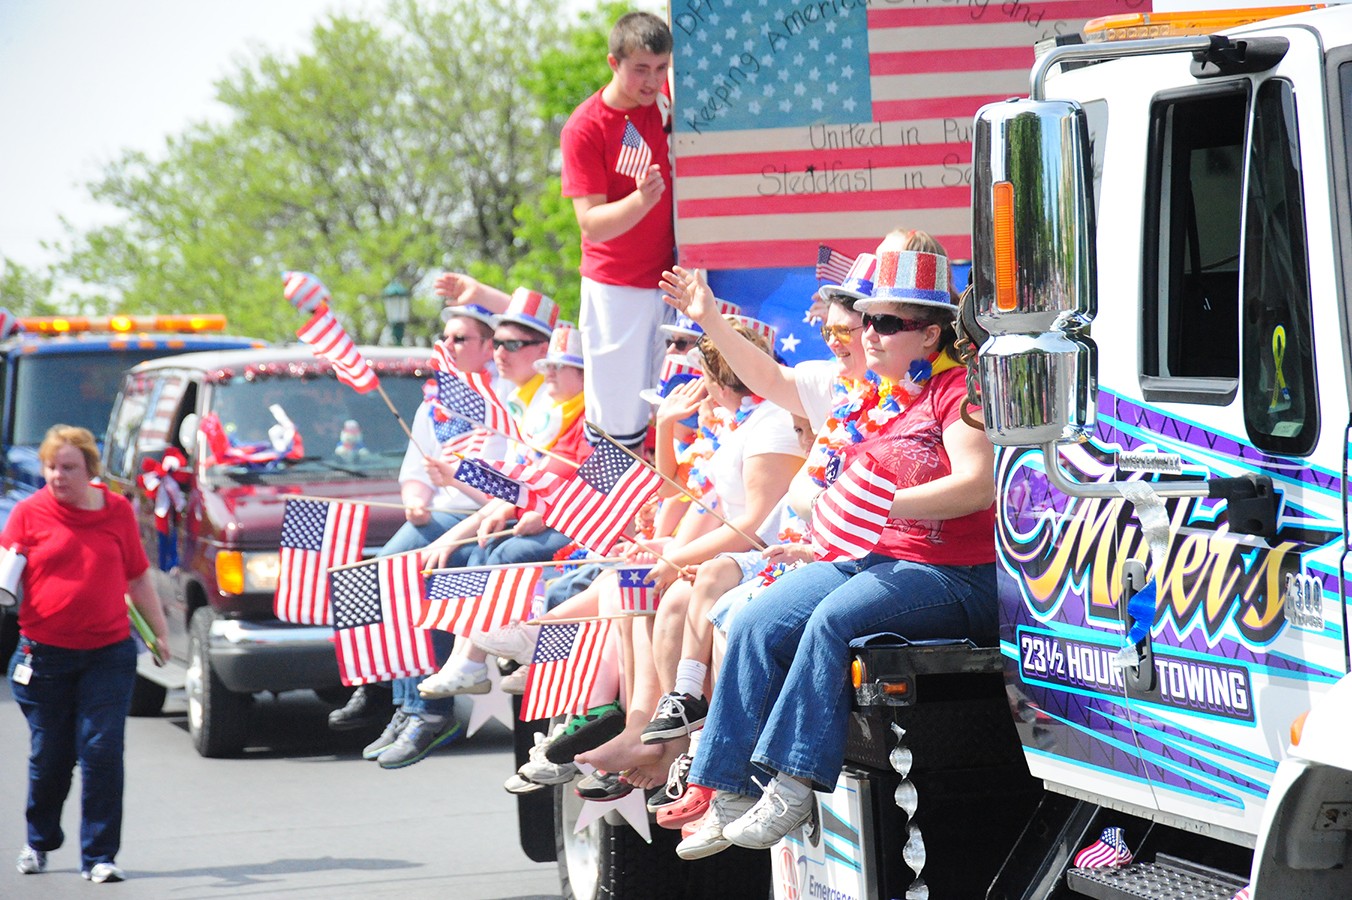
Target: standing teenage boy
{"points": [[627, 233]]}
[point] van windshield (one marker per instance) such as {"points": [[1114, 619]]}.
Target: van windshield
{"points": [[339, 429], [71, 388]]}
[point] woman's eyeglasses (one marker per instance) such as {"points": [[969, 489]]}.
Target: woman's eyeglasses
{"points": [[885, 325], [842, 333], [680, 344], [514, 345]]}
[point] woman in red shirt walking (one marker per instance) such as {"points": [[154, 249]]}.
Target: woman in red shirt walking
{"points": [[73, 671]]}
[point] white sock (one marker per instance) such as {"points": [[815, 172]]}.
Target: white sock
{"points": [[464, 664], [690, 676], [694, 741]]}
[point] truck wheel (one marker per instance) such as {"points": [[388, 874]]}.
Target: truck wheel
{"points": [[147, 697], [217, 717]]}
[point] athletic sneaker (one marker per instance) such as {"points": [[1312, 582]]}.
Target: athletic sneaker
{"points": [[387, 737], [781, 809], [515, 682], [725, 808], [586, 732], [31, 862], [454, 680], [540, 770], [515, 784], [677, 715], [677, 774], [420, 737], [603, 787], [515, 641], [103, 873]]}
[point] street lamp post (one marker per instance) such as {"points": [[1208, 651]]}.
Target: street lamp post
{"points": [[397, 309]]}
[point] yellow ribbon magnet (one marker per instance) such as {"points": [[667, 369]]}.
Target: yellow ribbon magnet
{"points": [[1281, 394]]}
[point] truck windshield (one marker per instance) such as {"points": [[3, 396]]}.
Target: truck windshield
{"points": [[338, 427], [70, 388]]}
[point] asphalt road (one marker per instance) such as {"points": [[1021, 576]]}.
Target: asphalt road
{"points": [[300, 815]]}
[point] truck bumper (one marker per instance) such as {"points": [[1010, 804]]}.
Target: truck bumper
{"points": [[249, 656]]}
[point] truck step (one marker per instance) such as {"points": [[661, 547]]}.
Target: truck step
{"points": [[1167, 878]]}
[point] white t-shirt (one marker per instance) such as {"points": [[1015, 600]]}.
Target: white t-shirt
{"points": [[767, 430], [815, 379]]}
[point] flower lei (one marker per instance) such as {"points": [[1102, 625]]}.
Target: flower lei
{"points": [[713, 427], [862, 408]]}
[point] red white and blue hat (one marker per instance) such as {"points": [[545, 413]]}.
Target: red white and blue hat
{"points": [[470, 311], [765, 329], [9, 323], [912, 277], [858, 283], [677, 369], [531, 309], [688, 326], [565, 348]]}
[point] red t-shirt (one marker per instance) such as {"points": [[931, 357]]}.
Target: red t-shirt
{"points": [[591, 146], [911, 448], [80, 562]]}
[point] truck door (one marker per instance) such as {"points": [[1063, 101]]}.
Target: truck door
{"points": [[1237, 283]]}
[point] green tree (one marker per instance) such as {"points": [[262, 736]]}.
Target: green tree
{"points": [[395, 147], [25, 292]]}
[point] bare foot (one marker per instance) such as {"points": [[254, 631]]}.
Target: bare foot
{"points": [[623, 752], [655, 773]]}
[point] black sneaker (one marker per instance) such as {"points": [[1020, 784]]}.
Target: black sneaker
{"points": [[368, 705], [603, 787], [586, 732], [678, 777], [677, 715]]}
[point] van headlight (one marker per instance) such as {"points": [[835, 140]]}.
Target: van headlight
{"points": [[247, 573]]}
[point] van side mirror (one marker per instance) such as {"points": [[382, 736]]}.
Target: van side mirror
{"points": [[1033, 268]]}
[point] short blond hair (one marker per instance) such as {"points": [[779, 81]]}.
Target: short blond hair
{"points": [[81, 439], [718, 369]]}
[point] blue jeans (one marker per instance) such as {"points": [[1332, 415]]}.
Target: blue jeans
{"points": [[76, 704], [782, 701], [415, 537], [574, 581], [519, 548]]}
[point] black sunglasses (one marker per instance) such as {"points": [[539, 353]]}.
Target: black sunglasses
{"points": [[681, 344], [462, 338], [514, 345], [885, 324]]}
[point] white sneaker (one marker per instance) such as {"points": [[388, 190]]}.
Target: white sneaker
{"points": [[725, 808], [30, 861], [539, 769], [775, 814], [103, 873], [515, 641], [454, 680], [518, 785], [515, 683]]}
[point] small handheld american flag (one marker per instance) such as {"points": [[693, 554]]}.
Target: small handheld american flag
{"points": [[635, 154], [833, 266]]}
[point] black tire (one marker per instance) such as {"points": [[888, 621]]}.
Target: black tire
{"points": [[613, 861], [147, 697], [218, 719]]}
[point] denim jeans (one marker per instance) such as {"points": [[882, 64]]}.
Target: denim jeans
{"points": [[519, 548], [782, 701], [76, 704], [573, 581], [415, 537]]}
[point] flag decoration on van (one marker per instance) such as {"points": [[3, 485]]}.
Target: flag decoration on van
{"points": [[848, 517], [563, 669], [467, 601], [316, 536], [635, 154], [329, 340], [374, 610]]}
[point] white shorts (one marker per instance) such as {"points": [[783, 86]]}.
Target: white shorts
{"points": [[623, 349]]}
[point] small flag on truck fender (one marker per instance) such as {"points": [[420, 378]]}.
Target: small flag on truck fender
{"points": [[1108, 852]]}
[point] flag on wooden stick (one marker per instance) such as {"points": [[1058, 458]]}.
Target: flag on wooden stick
{"points": [[603, 497], [563, 670], [635, 154], [471, 600], [328, 340], [374, 608], [637, 593], [316, 535]]}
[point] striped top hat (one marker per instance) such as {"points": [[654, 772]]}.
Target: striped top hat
{"points": [[470, 311], [565, 348], [858, 283], [765, 329], [677, 369], [912, 277], [531, 309], [688, 326]]}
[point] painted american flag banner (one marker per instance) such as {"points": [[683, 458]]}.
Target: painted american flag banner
{"points": [[316, 536], [635, 154], [374, 607], [476, 600], [563, 670], [801, 122]]}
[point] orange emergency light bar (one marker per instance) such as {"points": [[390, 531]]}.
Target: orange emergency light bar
{"points": [[122, 324], [1131, 27]]}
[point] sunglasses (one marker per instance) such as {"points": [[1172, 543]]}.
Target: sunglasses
{"points": [[681, 344], [842, 333], [462, 338], [884, 324], [514, 345]]}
